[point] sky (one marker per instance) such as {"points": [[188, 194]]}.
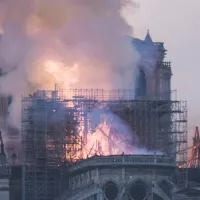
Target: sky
{"points": [[177, 24]]}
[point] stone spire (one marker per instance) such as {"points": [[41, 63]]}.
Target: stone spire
{"points": [[148, 38]]}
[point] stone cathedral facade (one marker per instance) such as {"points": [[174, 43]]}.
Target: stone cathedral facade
{"points": [[131, 177], [153, 79]]}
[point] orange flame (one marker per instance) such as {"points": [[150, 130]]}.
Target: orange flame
{"points": [[101, 142], [63, 74]]}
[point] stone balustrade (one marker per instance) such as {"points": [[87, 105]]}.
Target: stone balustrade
{"points": [[126, 160]]}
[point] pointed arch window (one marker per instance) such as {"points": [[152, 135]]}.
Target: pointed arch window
{"points": [[141, 85]]}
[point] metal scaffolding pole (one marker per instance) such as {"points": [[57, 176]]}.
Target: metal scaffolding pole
{"points": [[55, 125]]}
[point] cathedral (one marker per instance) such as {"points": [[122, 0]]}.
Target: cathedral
{"points": [[133, 177], [157, 120]]}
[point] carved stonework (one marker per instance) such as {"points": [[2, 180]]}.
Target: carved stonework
{"points": [[121, 180]]}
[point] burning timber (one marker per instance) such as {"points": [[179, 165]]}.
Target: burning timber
{"points": [[60, 128]]}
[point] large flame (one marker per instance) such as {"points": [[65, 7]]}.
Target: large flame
{"points": [[111, 136], [64, 75], [105, 141], [75, 43]]}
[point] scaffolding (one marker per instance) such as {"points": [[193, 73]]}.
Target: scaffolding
{"points": [[55, 123]]}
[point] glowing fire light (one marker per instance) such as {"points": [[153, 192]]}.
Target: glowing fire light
{"points": [[63, 74], [111, 136], [104, 142]]}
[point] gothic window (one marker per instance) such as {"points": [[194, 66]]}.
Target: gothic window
{"points": [[165, 84], [110, 191], [140, 89], [138, 191]]}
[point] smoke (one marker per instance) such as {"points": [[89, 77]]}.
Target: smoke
{"points": [[11, 142], [112, 136], [78, 44]]}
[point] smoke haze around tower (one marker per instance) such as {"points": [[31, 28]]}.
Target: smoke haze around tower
{"points": [[75, 43]]}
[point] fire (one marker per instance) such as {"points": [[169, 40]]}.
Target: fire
{"points": [[103, 141], [64, 75], [99, 131], [98, 142]]}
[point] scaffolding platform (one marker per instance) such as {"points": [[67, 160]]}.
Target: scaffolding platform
{"points": [[55, 123]]}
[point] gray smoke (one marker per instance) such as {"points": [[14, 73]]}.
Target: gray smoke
{"points": [[125, 139], [76, 43]]}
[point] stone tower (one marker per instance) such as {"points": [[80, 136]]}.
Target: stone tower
{"points": [[153, 76]]}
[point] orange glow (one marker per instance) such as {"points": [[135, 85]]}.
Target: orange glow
{"points": [[104, 139], [101, 142], [63, 74]]}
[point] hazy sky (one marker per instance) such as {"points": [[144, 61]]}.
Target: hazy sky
{"points": [[177, 24]]}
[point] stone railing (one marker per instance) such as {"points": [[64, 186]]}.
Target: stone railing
{"points": [[123, 160]]}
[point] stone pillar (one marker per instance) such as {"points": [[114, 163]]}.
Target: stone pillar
{"points": [[100, 195]]}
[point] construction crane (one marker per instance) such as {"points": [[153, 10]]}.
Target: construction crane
{"points": [[194, 160]]}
